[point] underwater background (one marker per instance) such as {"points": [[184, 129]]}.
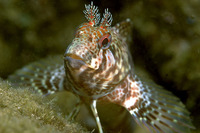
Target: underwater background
{"points": [[165, 43]]}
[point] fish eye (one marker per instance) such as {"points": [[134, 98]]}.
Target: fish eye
{"points": [[105, 41]]}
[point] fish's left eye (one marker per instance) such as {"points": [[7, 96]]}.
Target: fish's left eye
{"points": [[105, 41]]}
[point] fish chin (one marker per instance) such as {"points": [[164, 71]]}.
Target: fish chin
{"points": [[83, 82]]}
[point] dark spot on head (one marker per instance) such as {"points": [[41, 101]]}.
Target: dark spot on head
{"points": [[94, 56], [90, 39], [89, 57], [78, 34]]}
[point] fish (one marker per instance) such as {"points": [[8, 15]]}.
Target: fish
{"points": [[97, 66]]}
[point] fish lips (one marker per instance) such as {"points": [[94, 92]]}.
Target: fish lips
{"points": [[74, 62]]}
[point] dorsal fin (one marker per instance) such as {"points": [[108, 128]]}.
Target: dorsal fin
{"points": [[124, 29]]}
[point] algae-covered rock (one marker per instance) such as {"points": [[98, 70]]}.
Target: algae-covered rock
{"points": [[23, 111]]}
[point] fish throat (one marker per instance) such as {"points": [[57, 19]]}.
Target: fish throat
{"points": [[89, 82]]}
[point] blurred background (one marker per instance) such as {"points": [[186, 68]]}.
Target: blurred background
{"points": [[165, 38]]}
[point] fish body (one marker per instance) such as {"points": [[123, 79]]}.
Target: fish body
{"points": [[97, 66]]}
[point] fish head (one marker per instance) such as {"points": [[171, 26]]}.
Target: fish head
{"points": [[96, 60]]}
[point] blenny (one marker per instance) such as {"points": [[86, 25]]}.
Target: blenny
{"points": [[97, 66]]}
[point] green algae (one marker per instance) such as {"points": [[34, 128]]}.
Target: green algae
{"points": [[23, 111]]}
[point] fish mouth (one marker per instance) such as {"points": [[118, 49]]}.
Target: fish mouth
{"points": [[73, 56], [73, 61]]}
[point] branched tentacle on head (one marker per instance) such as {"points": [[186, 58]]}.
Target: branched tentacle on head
{"points": [[106, 21], [92, 15]]}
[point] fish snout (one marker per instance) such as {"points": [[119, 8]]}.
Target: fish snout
{"points": [[73, 61]]}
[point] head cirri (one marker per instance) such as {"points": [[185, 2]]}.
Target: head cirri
{"points": [[96, 60]]}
